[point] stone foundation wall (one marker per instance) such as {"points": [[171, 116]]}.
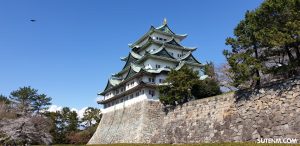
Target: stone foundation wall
{"points": [[271, 112], [134, 124]]}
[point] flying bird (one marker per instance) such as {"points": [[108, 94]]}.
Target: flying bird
{"points": [[32, 20]]}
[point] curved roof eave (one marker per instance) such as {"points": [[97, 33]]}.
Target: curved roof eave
{"points": [[106, 88], [110, 83], [150, 40], [153, 29], [160, 49], [179, 36]]}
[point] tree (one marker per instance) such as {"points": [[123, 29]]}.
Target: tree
{"points": [[64, 122], [265, 44], [73, 122], [244, 57], [178, 90], [23, 98], [28, 100], [224, 77], [91, 115], [25, 130], [41, 103], [280, 34], [184, 85], [57, 129], [81, 137], [209, 69], [6, 111], [205, 88], [4, 99], [21, 122]]}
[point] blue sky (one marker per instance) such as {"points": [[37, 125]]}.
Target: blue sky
{"points": [[74, 46]]}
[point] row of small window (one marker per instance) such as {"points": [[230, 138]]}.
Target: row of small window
{"points": [[158, 66], [108, 94], [152, 80], [178, 55], [130, 84], [122, 89], [117, 101], [161, 39], [171, 53]]}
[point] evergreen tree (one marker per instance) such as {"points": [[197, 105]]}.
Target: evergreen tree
{"points": [[184, 85], [4, 99], [244, 57], [266, 43], [28, 100], [91, 115], [178, 90], [41, 103], [209, 69], [23, 98]]}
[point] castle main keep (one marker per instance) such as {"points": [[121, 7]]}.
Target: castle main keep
{"points": [[151, 57]]}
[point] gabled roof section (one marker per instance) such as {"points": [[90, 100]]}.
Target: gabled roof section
{"points": [[173, 42], [111, 83], [159, 70], [180, 65], [189, 58], [162, 52], [132, 70], [163, 29], [149, 55], [133, 54], [131, 58]]}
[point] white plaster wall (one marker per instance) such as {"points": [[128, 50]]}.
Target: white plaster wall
{"points": [[135, 99], [160, 76], [150, 97], [151, 63], [113, 92], [143, 42], [154, 35], [149, 48], [175, 52], [146, 78], [109, 95], [135, 83], [125, 103]]}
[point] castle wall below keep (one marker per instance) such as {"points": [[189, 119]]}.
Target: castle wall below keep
{"points": [[270, 112]]}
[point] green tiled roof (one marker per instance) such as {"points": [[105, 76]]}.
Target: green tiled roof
{"points": [[165, 28], [171, 43], [111, 83], [133, 70], [162, 52], [189, 58]]}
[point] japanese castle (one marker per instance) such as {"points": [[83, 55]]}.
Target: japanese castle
{"points": [[146, 67]]}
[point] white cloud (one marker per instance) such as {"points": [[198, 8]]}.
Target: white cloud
{"points": [[54, 108], [80, 112]]}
